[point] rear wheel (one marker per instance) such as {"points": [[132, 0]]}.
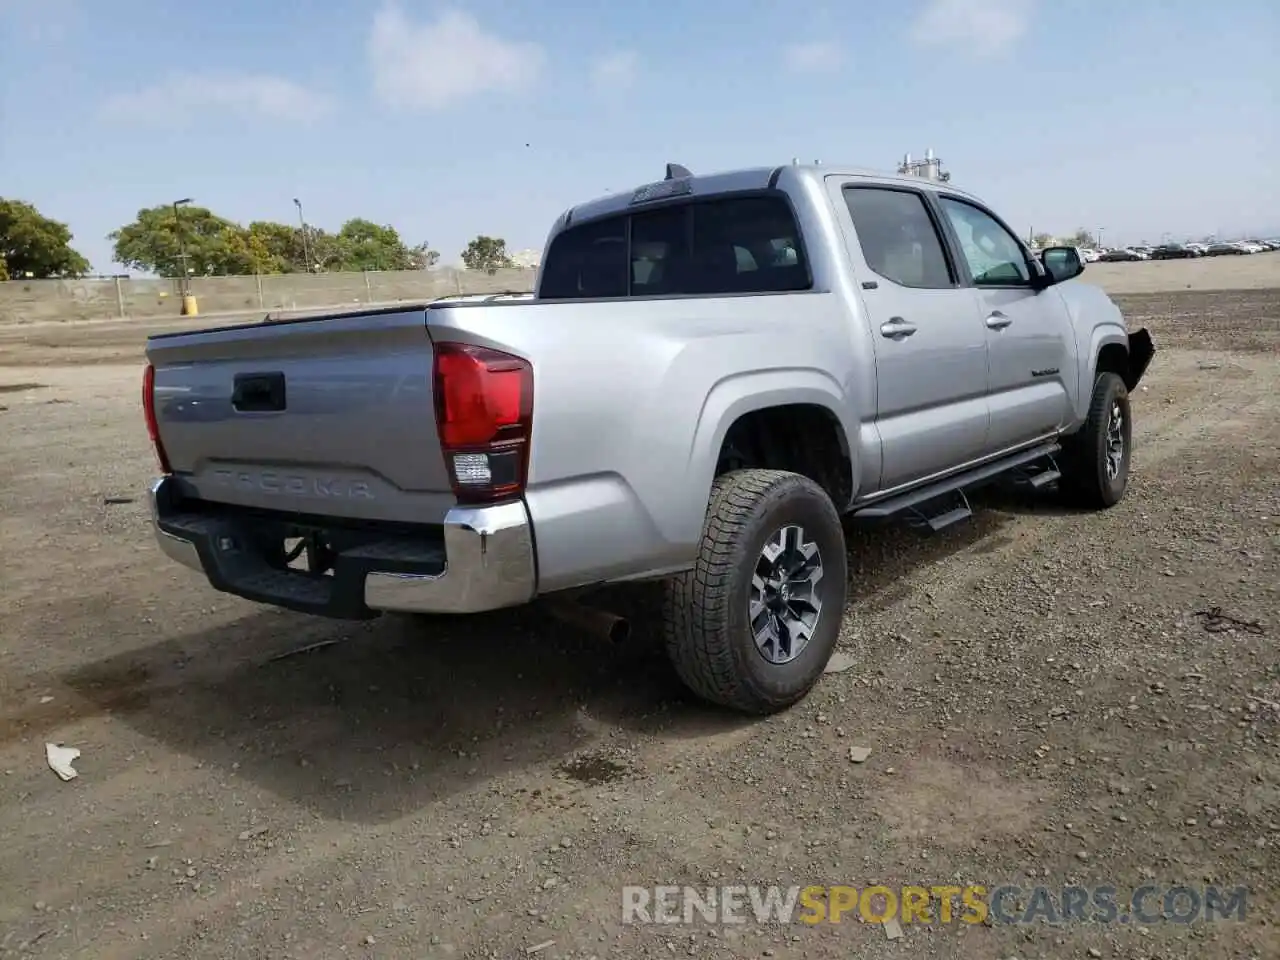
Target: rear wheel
{"points": [[753, 625], [1095, 460]]}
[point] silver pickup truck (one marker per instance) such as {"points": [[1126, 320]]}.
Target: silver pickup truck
{"points": [[713, 373]]}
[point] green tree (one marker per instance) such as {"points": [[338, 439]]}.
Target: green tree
{"points": [[247, 252], [422, 257], [1043, 240], [326, 250], [487, 253], [278, 245], [216, 246], [32, 244], [364, 245], [157, 239], [1083, 238]]}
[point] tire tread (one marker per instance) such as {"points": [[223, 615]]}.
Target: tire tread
{"points": [[696, 604], [1081, 481]]}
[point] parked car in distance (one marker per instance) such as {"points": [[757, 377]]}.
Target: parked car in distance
{"points": [[1252, 246], [1142, 251], [1120, 255], [1197, 248], [1224, 248], [714, 375], [1172, 251], [1088, 254]]}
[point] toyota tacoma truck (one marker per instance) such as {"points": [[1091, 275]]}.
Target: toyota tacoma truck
{"points": [[714, 374]]}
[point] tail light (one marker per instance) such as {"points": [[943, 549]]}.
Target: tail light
{"points": [[149, 411], [484, 416]]}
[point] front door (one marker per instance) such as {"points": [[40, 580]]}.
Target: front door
{"points": [[929, 341], [1028, 333]]}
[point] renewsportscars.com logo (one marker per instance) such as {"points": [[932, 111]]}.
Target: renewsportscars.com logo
{"points": [[970, 904]]}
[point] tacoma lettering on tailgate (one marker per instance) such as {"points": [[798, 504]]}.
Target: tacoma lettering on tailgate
{"points": [[295, 485]]}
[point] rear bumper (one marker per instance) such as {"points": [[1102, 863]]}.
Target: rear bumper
{"points": [[482, 559]]}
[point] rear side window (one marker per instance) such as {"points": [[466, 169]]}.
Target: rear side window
{"points": [[898, 237], [747, 244]]}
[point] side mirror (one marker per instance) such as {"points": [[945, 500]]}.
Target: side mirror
{"points": [[1061, 263]]}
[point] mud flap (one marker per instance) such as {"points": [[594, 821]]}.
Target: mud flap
{"points": [[1141, 350]]}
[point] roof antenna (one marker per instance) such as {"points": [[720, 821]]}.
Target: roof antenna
{"points": [[676, 172]]}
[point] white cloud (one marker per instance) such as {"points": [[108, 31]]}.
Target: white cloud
{"points": [[817, 56], [982, 27], [615, 70], [434, 65], [255, 95]]}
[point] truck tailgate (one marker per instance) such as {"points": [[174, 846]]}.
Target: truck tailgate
{"points": [[323, 415]]}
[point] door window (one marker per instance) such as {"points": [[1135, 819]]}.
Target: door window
{"points": [[994, 256], [898, 238]]}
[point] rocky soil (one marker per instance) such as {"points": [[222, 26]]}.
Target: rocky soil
{"points": [[1045, 695]]}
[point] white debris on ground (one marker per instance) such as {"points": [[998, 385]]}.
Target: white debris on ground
{"points": [[60, 759]]}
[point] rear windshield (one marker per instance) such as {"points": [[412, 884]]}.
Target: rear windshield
{"points": [[746, 244]]}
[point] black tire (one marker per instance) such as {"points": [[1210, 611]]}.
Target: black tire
{"points": [[706, 622], [1085, 478]]}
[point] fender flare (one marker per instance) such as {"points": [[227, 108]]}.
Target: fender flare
{"points": [[1138, 347], [740, 394]]}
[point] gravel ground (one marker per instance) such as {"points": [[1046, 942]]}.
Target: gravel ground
{"points": [[1042, 698]]}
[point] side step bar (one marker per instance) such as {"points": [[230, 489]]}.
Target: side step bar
{"points": [[912, 500]]}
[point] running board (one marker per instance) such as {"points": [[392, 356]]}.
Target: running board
{"points": [[950, 518], [884, 509], [1038, 481]]}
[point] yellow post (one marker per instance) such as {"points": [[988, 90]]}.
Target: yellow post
{"points": [[189, 306]]}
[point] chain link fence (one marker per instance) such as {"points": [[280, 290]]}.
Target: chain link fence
{"points": [[34, 301]]}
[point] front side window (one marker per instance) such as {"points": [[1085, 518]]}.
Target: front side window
{"points": [[994, 256], [745, 244]]}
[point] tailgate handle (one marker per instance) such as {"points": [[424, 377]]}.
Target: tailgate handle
{"points": [[255, 392]]}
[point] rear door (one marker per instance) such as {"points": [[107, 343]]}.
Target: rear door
{"points": [[930, 345], [1028, 331]]}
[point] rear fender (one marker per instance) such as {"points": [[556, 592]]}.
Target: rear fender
{"points": [[741, 394]]}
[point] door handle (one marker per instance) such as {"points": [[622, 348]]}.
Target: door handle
{"points": [[895, 328], [998, 321]]}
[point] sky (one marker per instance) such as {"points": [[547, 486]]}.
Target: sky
{"points": [[448, 120]]}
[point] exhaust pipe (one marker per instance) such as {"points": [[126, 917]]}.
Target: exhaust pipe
{"points": [[598, 623]]}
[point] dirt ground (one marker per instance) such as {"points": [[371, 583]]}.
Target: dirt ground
{"points": [[1044, 700]]}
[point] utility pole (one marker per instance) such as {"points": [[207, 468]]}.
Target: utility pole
{"points": [[306, 247], [184, 287], [1098, 238]]}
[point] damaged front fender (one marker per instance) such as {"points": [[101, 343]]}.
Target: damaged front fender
{"points": [[1141, 350]]}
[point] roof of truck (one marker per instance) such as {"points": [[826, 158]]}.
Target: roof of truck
{"points": [[749, 178]]}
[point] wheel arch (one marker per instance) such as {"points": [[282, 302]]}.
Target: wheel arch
{"points": [[743, 395], [1115, 350]]}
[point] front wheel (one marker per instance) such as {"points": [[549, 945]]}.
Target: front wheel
{"points": [[753, 625], [1095, 460]]}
